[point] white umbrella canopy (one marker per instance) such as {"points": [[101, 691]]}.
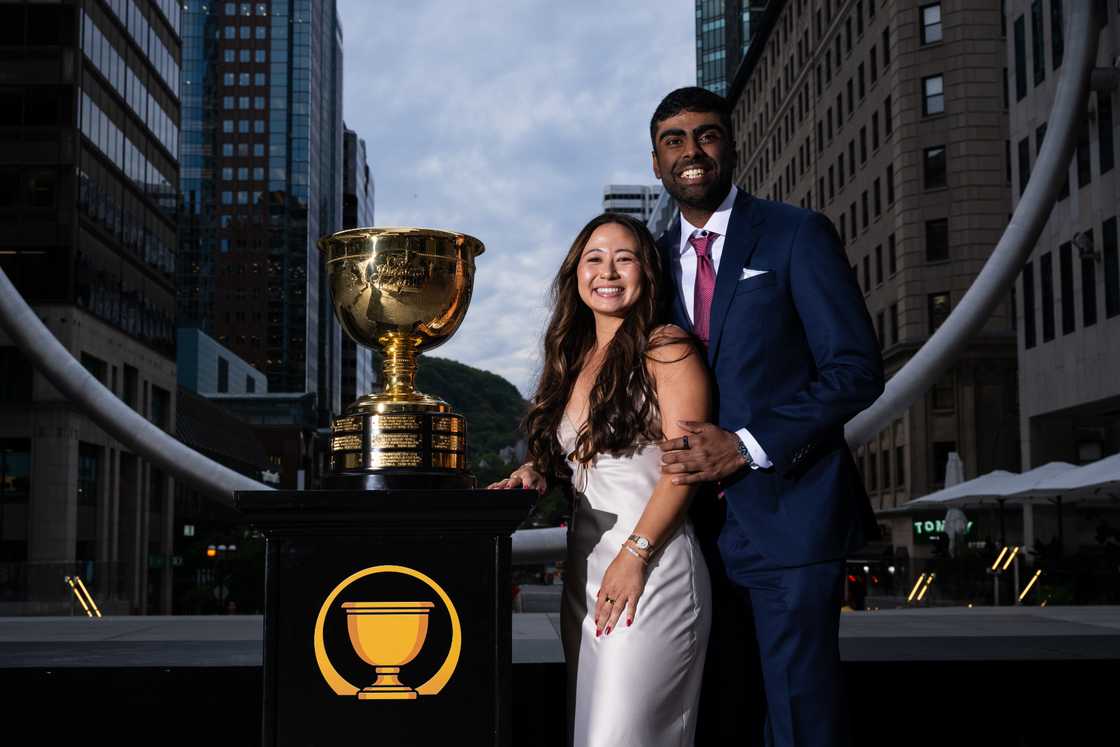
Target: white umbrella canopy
{"points": [[992, 487], [1031, 479], [1099, 479], [970, 492]]}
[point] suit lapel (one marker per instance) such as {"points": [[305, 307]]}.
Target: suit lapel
{"points": [[669, 245], [738, 246]]}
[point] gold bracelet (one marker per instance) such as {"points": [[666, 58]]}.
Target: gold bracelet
{"points": [[635, 553]]}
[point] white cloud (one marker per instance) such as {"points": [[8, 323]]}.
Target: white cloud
{"points": [[504, 120]]}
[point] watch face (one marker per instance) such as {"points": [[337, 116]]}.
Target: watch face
{"points": [[642, 543]]}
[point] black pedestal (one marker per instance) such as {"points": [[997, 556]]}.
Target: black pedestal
{"points": [[387, 615]]}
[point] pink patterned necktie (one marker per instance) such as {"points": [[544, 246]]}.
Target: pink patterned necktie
{"points": [[705, 284]]}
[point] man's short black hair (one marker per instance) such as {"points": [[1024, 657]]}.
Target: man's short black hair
{"points": [[690, 99]]}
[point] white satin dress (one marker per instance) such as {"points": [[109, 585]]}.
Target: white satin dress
{"points": [[639, 685]]}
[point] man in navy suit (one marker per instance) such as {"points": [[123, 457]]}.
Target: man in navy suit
{"points": [[793, 354]]}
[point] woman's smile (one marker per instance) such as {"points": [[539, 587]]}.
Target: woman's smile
{"points": [[610, 275]]}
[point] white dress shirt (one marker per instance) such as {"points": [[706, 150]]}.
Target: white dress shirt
{"points": [[684, 267]]}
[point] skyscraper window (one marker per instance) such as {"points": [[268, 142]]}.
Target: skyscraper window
{"points": [[931, 23]]}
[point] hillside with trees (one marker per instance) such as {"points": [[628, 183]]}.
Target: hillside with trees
{"points": [[494, 410], [492, 406]]}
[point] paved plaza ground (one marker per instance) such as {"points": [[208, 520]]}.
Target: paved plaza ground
{"points": [[1012, 676], [919, 635]]}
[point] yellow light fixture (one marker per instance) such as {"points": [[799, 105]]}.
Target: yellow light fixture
{"points": [[88, 596], [914, 591], [74, 589], [995, 565], [1029, 585], [926, 587]]}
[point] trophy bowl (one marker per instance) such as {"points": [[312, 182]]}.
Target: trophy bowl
{"points": [[387, 635], [401, 291]]}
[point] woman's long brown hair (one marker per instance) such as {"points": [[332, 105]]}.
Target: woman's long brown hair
{"points": [[622, 407]]}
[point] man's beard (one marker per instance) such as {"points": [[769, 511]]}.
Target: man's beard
{"points": [[712, 194]]}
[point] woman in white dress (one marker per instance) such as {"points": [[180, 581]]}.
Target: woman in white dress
{"points": [[637, 604]]}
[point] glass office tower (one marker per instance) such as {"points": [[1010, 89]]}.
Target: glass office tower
{"points": [[89, 133], [724, 29], [261, 182], [358, 376]]}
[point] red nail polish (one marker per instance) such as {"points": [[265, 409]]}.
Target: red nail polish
{"points": [[598, 632], [629, 622], [608, 631]]}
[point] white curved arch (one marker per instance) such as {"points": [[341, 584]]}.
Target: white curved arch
{"points": [[103, 407]]}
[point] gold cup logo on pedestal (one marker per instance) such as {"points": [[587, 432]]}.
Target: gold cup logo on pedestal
{"points": [[387, 635]]}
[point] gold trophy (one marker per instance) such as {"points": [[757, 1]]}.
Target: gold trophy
{"points": [[387, 635], [403, 291]]}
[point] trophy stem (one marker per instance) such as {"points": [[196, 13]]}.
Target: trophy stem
{"points": [[399, 368], [387, 677]]}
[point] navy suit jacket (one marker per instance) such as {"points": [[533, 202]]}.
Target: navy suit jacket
{"points": [[793, 356]]}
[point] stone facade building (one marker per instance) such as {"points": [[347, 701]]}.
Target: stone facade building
{"points": [[1069, 291], [891, 119]]}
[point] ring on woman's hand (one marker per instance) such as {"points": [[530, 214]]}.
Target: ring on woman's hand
{"points": [[685, 439], [609, 600]]}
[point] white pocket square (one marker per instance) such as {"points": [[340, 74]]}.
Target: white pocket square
{"points": [[747, 273]]}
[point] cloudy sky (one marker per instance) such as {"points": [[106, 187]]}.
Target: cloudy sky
{"points": [[504, 119]]}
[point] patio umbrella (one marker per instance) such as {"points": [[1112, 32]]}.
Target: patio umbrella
{"points": [[1096, 479], [997, 487], [1099, 480], [968, 493], [954, 470], [956, 523]]}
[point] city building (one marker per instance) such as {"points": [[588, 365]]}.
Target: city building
{"points": [[89, 166], [724, 29], [1069, 291], [261, 182], [357, 182], [635, 200], [358, 376], [205, 367], [664, 212], [211, 540], [891, 119], [286, 424]]}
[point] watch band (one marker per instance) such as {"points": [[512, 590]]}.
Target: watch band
{"points": [[746, 454]]}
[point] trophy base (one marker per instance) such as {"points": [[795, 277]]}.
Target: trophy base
{"points": [[402, 446], [387, 687], [404, 693], [399, 481]]}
